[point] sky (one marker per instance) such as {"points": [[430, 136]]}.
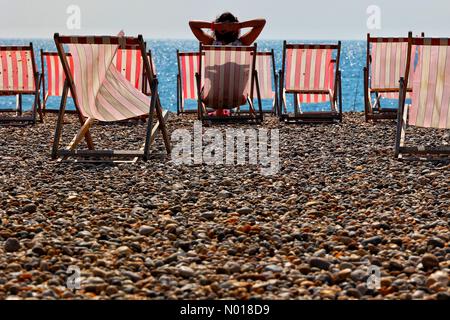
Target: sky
{"points": [[168, 19]]}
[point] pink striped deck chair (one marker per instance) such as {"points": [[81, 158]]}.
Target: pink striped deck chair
{"points": [[229, 81], [188, 65], [430, 100], [53, 77], [102, 93], [128, 61], [311, 74], [265, 66], [386, 63], [18, 76]]}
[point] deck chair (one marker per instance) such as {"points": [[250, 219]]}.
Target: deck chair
{"points": [[385, 64], [311, 75], [18, 77], [230, 78], [128, 61], [430, 100], [267, 76], [101, 93], [188, 64]]}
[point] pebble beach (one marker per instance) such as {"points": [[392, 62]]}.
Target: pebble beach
{"points": [[339, 204]]}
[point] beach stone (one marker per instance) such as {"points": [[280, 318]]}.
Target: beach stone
{"points": [[185, 272], [373, 240], [436, 243], [273, 268], [123, 251], [343, 274], [358, 275], [233, 267], [440, 277], [209, 215], [244, 210], [111, 290], [39, 250], [146, 230], [224, 194], [12, 245], [320, 263], [132, 275], [29, 208], [429, 261]]}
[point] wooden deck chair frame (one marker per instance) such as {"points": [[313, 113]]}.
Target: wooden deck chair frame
{"points": [[19, 119], [45, 95], [253, 116], [374, 111], [111, 156], [181, 99], [416, 153], [332, 116]]}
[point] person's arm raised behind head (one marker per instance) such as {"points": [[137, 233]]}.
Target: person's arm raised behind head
{"points": [[197, 26], [257, 26]]}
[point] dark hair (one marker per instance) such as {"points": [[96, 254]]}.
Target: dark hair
{"points": [[228, 37]]}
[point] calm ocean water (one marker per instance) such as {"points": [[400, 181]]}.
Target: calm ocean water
{"points": [[164, 53]]}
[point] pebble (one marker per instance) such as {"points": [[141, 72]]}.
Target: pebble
{"points": [[244, 210], [429, 261], [12, 245], [186, 272], [274, 268], [319, 263], [146, 230], [29, 208]]}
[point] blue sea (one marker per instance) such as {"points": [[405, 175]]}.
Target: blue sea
{"points": [[353, 56]]}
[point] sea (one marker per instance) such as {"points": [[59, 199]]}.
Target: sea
{"points": [[353, 59]]}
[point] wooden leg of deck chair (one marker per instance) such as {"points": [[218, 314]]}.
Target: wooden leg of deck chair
{"points": [[401, 120], [81, 134], [153, 100], [258, 94], [162, 125], [59, 123], [19, 104]]}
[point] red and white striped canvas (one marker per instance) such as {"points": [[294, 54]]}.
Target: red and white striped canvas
{"points": [[103, 92], [16, 70], [431, 86], [227, 76], [389, 64], [189, 63], [265, 71], [55, 73], [129, 62], [310, 68]]}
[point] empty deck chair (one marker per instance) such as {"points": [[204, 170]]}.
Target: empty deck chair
{"points": [[385, 64], [230, 79], [267, 77], [102, 93], [430, 99], [310, 74], [18, 77], [188, 65], [128, 61]]}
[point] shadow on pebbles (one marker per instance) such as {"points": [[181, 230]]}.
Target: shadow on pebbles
{"points": [[338, 205]]}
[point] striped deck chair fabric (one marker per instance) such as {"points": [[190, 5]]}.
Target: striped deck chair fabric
{"points": [[55, 74], [388, 64], [129, 62], [227, 79], [103, 92], [430, 106], [17, 70], [264, 66], [310, 68], [189, 63]]}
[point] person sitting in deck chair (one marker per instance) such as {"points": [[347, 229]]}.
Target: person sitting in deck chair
{"points": [[226, 30]]}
